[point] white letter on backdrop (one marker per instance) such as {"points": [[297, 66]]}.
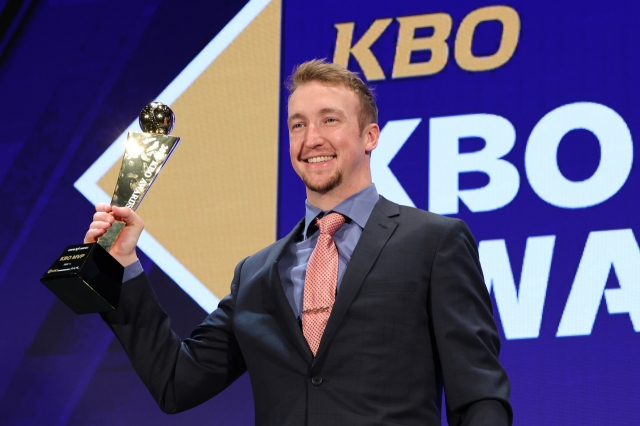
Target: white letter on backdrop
{"points": [[520, 311], [603, 250], [616, 155], [392, 137], [446, 163]]}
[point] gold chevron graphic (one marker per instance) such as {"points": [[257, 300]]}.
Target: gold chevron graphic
{"points": [[215, 201]]}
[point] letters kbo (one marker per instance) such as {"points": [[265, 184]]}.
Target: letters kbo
{"points": [[436, 43], [605, 251]]}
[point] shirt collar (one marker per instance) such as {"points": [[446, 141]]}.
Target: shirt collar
{"points": [[358, 208]]}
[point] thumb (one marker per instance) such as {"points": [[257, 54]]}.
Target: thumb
{"points": [[128, 216], [124, 248]]}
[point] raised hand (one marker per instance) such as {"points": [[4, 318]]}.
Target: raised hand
{"points": [[124, 248]]}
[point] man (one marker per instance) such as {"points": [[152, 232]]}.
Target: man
{"points": [[361, 322]]}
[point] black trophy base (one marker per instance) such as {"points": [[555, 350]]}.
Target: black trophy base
{"points": [[86, 278]]}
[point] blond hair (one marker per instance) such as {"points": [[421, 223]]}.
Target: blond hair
{"points": [[321, 71]]}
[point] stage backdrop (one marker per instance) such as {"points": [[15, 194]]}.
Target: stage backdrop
{"points": [[518, 118]]}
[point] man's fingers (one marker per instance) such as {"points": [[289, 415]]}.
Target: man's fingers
{"points": [[103, 207], [103, 217], [92, 235], [100, 225], [107, 213]]}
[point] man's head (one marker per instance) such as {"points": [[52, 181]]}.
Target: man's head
{"points": [[334, 75], [332, 130]]}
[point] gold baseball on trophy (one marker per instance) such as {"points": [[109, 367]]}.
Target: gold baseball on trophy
{"points": [[157, 117]]}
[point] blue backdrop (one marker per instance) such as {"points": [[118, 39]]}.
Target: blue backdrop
{"points": [[535, 153]]}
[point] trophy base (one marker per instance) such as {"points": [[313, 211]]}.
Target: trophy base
{"points": [[86, 278]]}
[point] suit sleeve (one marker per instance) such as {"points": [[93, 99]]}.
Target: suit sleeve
{"points": [[179, 374], [476, 385]]}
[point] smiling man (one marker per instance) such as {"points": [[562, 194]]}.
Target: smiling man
{"points": [[332, 131], [360, 316]]}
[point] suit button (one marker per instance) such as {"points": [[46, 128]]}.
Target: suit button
{"points": [[316, 380]]}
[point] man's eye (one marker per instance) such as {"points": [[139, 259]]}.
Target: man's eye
{"points": [[331, 120], [296, 126]]}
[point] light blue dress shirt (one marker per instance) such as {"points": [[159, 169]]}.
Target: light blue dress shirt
{"points": [[293, 265]]}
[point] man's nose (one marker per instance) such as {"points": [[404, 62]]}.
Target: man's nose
{"points": [[314, 136]]}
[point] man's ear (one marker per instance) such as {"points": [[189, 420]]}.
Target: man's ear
{"points": [[372, 134]]}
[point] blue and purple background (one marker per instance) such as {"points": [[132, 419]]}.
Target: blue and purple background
{"points": [[74, 74]]}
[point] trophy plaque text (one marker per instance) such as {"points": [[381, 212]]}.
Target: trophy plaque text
{"points": [[86, 277]]}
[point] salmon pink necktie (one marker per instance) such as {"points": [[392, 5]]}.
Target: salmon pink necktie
{"points": [[320, 281]]}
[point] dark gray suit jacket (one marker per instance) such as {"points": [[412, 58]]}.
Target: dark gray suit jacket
{"points": [[412, 314]]}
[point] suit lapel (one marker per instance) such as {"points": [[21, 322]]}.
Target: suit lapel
{"points": [[285, 313], [375, 235]]}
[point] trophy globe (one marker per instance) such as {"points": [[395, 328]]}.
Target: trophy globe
{"points": [[157, 118]]}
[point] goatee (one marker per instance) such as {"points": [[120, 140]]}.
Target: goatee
{"points": [[326, 186]]}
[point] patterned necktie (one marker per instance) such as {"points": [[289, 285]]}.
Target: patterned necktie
{"points": [[320, 281]]}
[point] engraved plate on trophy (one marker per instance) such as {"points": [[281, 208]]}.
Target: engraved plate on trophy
{"points": [[85, 276]]}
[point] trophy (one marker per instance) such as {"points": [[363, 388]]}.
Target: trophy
{"points": [[86, 277]]}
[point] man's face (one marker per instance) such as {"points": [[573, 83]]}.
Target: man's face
{"points": [[327, 149]]}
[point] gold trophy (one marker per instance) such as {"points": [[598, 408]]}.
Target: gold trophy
{"points": [[86, 277]]}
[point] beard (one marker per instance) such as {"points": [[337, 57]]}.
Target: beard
{"points": [[322, 188]]}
